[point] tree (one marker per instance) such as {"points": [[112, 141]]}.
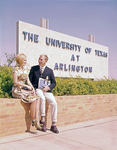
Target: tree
{"points": [[10, 58]]}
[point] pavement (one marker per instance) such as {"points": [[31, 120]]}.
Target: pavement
{"points": [[98, 134]]}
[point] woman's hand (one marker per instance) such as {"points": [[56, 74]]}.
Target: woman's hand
{"points": [[30, 87], [33, 90]]}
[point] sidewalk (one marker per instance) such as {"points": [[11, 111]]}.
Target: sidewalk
{"points": [[91, 135]]}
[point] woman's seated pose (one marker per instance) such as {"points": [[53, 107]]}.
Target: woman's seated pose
{"points": [[24, 90]]}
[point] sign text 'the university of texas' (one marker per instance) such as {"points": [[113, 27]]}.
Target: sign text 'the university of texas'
{"points": [[68, 56]]}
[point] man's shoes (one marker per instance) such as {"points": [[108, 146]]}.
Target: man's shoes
{"points": [[41, 123], [43, 126], [54, 129]]}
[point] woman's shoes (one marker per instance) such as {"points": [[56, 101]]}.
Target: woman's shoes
{"points": [[36, 124], [33, 123]]}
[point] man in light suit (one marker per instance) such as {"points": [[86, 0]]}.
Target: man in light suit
{"points": [[42, 71]]}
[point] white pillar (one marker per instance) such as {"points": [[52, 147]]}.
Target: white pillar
{"points": [[91, 38], [44, 23]]}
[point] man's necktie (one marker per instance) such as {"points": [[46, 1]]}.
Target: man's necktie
{"points": [[41, 70]]}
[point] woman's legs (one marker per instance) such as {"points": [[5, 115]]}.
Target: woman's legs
{"points": [[32, 109], [35, 113], [37, 109]]}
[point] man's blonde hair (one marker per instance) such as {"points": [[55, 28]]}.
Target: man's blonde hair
{"points": [[46, 57], [20, 58]]}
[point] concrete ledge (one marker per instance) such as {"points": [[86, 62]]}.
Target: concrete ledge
{"points": [[15, 115]]}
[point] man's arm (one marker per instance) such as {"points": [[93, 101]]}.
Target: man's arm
{"points": [[52, 80]]}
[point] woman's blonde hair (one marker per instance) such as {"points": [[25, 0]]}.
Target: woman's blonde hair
{"points": [[20, 58]]}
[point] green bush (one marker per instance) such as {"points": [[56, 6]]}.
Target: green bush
{"points": [[65, 86], [6, 81], [80, 86]]}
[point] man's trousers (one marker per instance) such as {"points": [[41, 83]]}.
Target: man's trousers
{"points": [[51, 101]]}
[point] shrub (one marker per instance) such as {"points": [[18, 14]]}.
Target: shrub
{"points": [[65, 86], [80, 86], [6, 81]]}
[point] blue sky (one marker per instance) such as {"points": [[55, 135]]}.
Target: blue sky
{"points": [[77, 18]]}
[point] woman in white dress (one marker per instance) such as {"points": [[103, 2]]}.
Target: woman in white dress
{"points": [[24, 90]]}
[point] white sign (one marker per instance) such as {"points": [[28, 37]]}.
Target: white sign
{"points": [[68, 56]]}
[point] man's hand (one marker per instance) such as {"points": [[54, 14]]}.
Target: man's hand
{"points": [[46, 88]]}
